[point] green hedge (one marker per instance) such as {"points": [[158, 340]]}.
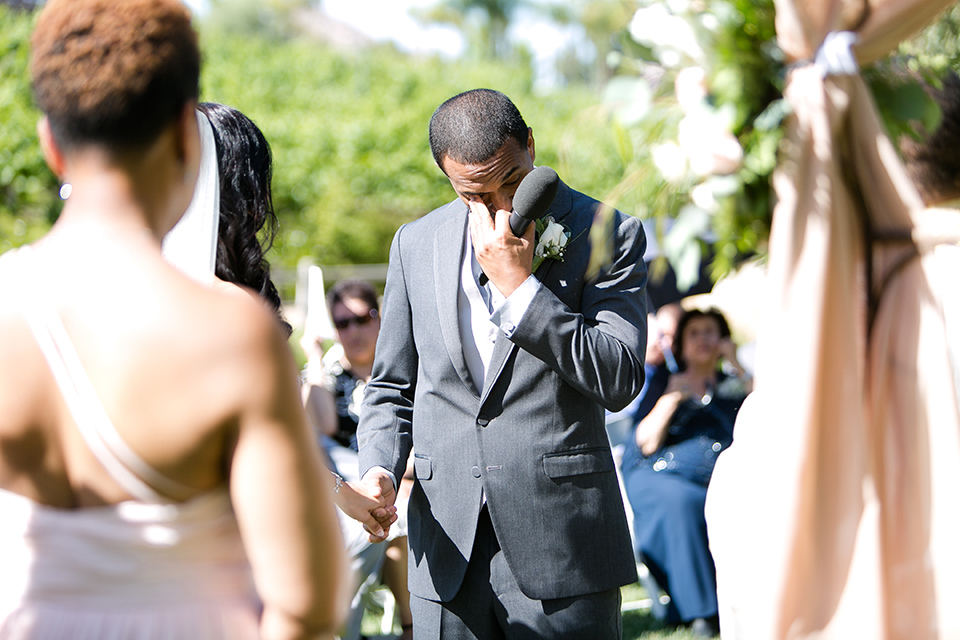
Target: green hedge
{"points": [[348, 132]]}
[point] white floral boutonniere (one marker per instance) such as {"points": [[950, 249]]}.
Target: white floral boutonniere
{"points": [[553, 240]]}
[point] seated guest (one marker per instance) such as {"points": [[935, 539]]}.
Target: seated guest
{"points": [[668, 467], [332, 393]]}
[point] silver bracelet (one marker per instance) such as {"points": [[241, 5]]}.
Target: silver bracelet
{"points": [[339, 480]]}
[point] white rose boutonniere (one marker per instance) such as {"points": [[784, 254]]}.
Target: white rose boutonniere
{"points": [[552, 243]]}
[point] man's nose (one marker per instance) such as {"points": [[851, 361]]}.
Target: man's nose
{"points": [[502, 201]]}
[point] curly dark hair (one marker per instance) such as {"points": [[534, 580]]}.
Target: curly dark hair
{"points": [[713, 314], [352, 289], [934, 162], [472, 126], [113, 73], [248, 224]]}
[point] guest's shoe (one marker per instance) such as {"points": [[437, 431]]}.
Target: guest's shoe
{"points": [[705, 628]]}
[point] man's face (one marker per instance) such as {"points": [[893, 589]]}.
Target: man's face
{"points": [[494, 181]]}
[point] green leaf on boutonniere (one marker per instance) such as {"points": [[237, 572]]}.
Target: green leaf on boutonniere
{"points": [[552, 240]]}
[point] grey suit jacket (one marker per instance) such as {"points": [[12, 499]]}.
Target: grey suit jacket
{"points": [[533, 441]]}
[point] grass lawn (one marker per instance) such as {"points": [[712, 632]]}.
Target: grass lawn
{"points": [[641, 623], [637, 624]]}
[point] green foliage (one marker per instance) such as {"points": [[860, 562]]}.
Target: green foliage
{"points": [[28, 190], [349, 135], [734, 42], [269, 19], [904, 106], [899, 83], [483, 22], [937, 48], [731, 45]]}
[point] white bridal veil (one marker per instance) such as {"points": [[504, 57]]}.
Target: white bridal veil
{"points": [[192, 243]]}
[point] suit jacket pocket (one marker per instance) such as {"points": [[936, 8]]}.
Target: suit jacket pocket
{"points": [[422, 467], [575, 463]]}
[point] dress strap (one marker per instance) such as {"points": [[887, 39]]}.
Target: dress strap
{"points": [[123, 464]]}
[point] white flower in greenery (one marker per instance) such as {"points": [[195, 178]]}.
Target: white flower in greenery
{"points": [[670, 161], [708, 144], [656, 27], [710, 22], [690, 87], [552, 243], [702, 196]]}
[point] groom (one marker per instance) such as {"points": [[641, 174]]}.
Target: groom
{"points": [[498, 377]]}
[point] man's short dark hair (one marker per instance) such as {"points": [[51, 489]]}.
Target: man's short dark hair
{"points": [[472, 126]]}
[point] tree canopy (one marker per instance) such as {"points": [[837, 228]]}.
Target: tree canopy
{"points": [[685, 131]]}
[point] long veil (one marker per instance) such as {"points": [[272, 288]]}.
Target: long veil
{"points": [[192, 243]]}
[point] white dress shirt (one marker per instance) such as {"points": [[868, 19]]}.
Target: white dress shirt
{"points": [[484, 311]]}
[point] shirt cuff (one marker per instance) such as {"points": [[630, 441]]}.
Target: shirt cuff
{"points": [[385, 470], [509, 314]]}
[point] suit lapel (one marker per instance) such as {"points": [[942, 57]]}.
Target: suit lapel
{"points": [[448, 256]]}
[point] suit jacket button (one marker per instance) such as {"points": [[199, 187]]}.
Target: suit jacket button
{"points": [[476, 472], [483, 421]]}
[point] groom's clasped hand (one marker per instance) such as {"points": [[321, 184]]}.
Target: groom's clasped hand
{"points": [[371, 502]]}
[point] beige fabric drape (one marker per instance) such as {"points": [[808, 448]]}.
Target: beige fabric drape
{"points": [[835, 512]]}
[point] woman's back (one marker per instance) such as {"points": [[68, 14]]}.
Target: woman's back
{"points": [[152, 443], [75, 536], [173, 364]]}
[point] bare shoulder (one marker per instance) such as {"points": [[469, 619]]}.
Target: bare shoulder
{"points": [[237, 330]]}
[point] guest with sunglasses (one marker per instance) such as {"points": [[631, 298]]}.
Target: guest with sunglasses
{"points": [[332, 394], [335, 391]]}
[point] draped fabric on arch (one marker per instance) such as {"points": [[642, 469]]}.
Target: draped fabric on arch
{"points": [[834, 513]]}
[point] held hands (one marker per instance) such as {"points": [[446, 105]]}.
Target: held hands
{"points": [[368, 504], [377, 489], [506, 259]]}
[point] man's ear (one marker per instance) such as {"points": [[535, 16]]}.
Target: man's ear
{"points": [[52, 153], [531, 146]]}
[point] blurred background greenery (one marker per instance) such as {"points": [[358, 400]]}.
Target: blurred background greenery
{"points": [[668, 109]]}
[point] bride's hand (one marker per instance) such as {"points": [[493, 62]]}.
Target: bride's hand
{"points": [[372, 512]]}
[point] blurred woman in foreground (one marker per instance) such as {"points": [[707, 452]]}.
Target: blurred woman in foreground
{"points": [[153, 452]]}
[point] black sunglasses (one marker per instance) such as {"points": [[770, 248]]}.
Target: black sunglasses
{"points": [[357, 320]]}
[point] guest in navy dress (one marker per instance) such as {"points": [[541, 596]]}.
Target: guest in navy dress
{"points": [[668, 465]]}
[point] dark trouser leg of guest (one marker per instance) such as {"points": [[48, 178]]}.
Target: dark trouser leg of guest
{"points": [[490, 605]]}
